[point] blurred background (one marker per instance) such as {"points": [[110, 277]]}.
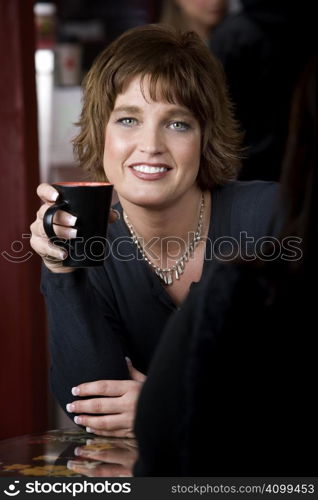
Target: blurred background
{"points": [[46, 49]]}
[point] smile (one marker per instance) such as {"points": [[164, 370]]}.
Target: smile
{"points": [[149, 172]]}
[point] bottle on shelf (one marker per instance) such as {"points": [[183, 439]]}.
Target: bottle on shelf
{"points": [[45, 25]]}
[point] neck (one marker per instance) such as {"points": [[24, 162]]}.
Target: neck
{"points": [[175, 220]]}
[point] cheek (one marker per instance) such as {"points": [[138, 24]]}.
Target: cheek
{"points": [[109, 155], [191, 153], [118, 147], [108, 144], [113, 149], [117, 144]]}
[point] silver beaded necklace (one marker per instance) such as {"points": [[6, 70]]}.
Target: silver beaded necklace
{"points": [[167, 275]]}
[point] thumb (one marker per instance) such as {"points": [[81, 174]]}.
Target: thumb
{"points": [[135, 374]]}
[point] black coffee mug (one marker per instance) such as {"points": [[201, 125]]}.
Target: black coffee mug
{"points": [[90, 203]]}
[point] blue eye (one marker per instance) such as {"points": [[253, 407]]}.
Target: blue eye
{"points": [[179, 126], [127, 122]]}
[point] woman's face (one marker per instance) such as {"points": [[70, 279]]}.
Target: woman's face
{"points": [[152, 148], [207, 12]]}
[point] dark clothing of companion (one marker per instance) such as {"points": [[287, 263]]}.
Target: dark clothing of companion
{"points": [[231, 390], [262, 50], [97, 316]]}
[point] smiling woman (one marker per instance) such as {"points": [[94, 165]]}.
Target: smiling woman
{"points": [[174, 68], [157, 123]]}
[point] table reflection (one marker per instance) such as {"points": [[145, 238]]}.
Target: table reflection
{"points": [[108, 458], [67, 453]]}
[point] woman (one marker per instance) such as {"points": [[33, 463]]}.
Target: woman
{"points": [[157, 123], [241, 399], [199, 16]]}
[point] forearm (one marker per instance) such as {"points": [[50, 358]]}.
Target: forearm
{"points": [[83, 345]]}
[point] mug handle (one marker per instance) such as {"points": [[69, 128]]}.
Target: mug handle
{"points": [[48, 218]]}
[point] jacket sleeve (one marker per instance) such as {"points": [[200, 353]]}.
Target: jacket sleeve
{"points": [[84, 333]]}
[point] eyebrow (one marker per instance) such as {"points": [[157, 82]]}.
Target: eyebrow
{"points": [[136, 110], [127, 109]]}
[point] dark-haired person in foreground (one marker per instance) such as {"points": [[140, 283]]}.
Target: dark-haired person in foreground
{"points": [[232, 388], [156, 122]]}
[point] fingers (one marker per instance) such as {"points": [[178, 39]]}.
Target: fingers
{"points": [[60, 217], [96, 405], [135, 374], [42, 246], [47, 250], [47, 193], [106, 423], [63, 224], [61, 232], [122, 433], [111, 388], [117, 410]]}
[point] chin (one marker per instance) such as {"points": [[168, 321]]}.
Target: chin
{"points": [[146, 200]]}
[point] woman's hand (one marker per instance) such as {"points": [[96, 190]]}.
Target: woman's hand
{"points": [[64, 223], [117, 406], [105, 458], [52, 255]]}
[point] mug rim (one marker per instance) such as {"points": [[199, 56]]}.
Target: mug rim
{"points": [[82, 184]]}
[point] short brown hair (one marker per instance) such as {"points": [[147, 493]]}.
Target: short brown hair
{"points": [[187, 73]]}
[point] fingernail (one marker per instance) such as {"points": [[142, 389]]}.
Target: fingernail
{"points": [[75, 391], [77, 420], [53, 196], [62, 255], [77, 451], [71, 220], [127, 359], [70, 407], [72, 233], [88, 429], [70, 464]]}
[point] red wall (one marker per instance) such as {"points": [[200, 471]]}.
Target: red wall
{"points": [[23, 359]]}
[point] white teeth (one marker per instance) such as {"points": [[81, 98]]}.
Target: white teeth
{"points": [[146, 169]]}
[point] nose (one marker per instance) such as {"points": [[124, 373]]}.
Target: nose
{"points": [[151, 140]]}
